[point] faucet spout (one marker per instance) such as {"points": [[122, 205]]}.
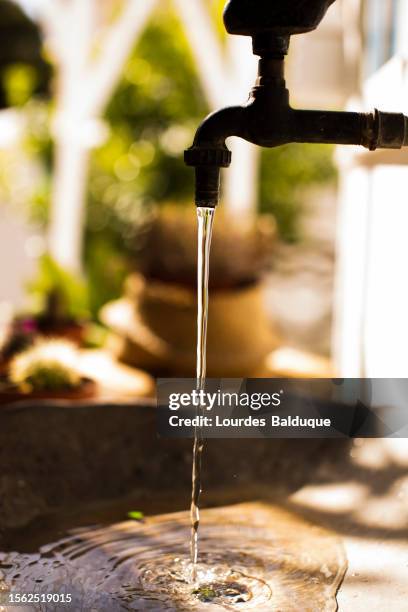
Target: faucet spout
{"points": [[218, 126], [209, 152]]}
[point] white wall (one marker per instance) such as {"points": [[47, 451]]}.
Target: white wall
{"points": [[371, 322], [385, 326], [350, 281]]}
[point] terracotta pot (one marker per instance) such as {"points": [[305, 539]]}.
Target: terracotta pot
{"points": [[157, 325], [9, 394]]}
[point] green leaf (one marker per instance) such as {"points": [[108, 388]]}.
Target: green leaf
{"points": [[135, 515]]}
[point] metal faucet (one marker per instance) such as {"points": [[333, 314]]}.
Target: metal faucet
{"points": [[267, 119]]}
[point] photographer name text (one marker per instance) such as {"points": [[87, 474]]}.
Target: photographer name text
{"points": [[250, 421]]}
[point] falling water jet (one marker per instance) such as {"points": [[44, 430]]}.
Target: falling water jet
{"points": [[205, 218]]}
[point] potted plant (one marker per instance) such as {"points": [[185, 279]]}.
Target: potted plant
{"points": [[59, 302], [46, 370], [154, 325], [58, 310]]}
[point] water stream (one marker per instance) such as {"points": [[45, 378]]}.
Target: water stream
{"points": [[205, 217]]}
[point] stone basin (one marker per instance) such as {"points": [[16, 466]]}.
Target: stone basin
{"points": [[56, 456]]}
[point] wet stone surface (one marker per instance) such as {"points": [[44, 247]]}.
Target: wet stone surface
{"points": [[252, 557]]}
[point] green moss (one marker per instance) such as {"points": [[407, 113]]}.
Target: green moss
{"points": [[53, 377], [205, 593]]}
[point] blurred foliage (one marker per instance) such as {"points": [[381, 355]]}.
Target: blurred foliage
{"points": [[106, 268], [21, 46], [20, 81], [26, 148], [286, 175], [152, 119], [52, 279]]}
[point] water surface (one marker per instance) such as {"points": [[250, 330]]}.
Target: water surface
{"points": [[252, 557]]}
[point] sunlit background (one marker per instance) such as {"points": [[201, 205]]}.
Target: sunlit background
{"points": [[99, 98]]}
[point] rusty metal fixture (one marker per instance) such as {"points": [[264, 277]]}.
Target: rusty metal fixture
{"points": [[267, 119]]}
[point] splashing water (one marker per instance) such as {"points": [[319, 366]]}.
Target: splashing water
{"points": [[205, 217], [254, 557]]}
